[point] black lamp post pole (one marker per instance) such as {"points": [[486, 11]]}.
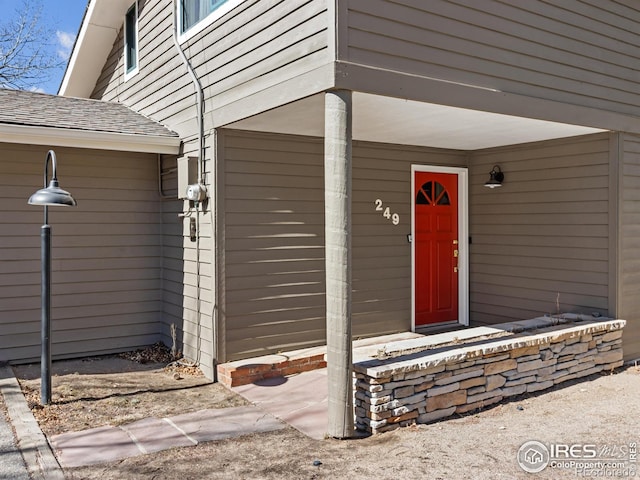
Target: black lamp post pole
{"points": [[45, 359], [51, 195]]}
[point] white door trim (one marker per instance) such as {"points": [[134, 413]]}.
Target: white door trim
{"points": [[463, 239]]}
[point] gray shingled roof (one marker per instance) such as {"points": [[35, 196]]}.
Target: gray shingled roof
{"points": [[18, 107]]}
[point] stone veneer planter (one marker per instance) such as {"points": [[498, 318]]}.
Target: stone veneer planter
{"points": [[423, 382]]}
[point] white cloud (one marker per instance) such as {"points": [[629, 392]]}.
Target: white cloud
{"points": [[37, 90], [65, 44]]}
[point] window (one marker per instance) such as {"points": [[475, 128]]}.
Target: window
{"points": [[131, 41], [432, 193], [192, 13]]}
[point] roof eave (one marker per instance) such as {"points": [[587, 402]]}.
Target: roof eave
{"points": [[100, 26], [63, 137]]}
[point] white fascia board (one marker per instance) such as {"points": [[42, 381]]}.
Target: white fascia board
{"points": [[63, 137], [102, 22]]}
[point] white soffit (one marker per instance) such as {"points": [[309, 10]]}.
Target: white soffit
{"points": [[392, 120]]}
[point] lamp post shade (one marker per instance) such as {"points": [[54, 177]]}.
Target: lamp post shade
{"points": [[52, 195]]}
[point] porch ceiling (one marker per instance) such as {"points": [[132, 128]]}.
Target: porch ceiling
{"points": [[392, 120]]}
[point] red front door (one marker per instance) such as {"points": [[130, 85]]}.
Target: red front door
{"points": [[435, 203]]}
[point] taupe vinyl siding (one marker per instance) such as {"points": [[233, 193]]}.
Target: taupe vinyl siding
{"points": [[629, 256], [172, 255], [105, 253], [274, 207], [543, 236], [256, 45], [274, 237], [582, 53], [381, 252]]}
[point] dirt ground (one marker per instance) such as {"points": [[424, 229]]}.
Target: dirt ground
{"points": [[119, 389], [602, 411]]}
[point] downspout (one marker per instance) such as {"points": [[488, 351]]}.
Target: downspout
{"points": [[201, 180]]}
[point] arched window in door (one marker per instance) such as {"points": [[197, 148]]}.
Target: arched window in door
{"points": [[432, 193]]}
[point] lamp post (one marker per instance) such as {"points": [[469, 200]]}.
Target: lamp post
{"points": [[51, 195]]}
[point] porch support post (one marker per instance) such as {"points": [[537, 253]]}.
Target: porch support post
{"points": [[337, 212]]}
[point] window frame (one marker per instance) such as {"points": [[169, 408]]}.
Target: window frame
{"points": [[131, 71], [206, 21]]}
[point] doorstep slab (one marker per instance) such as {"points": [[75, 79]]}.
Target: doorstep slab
{"points": [[257, 369], [395, 348]]}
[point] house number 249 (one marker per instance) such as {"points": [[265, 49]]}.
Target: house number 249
{"points": [[386, 212]]}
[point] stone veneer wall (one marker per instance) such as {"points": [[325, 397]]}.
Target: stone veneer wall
{"points": [[431, 385]]}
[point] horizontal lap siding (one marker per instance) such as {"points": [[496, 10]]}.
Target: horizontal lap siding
{"points": [[542, 237], [630, 245], [582, 53], [105, 253], [256, 45], [381, 252], [275, 240], [274, 237], [172, 255]]}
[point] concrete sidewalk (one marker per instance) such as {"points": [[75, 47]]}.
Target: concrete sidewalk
{"points": [[12, 466], [30, 441], [109, 444], [300, 400]]}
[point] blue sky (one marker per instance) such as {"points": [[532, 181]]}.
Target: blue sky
{"points": [[63, 18]]}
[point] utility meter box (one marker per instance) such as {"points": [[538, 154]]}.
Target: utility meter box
{"points": [[187, 174]]}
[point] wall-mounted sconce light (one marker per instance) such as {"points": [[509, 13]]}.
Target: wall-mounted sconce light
{"points": [[496, 177]]}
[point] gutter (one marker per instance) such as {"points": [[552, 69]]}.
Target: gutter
{"points": [[65, 137]]}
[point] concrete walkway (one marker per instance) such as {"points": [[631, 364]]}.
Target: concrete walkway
{"points": [[12, 466], [300, 400], [30, 441], [109, 444]]}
